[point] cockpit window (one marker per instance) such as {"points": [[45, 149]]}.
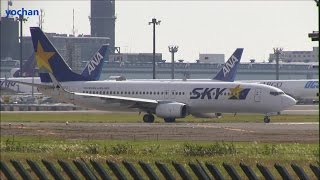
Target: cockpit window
{"points": [[275, 93]]}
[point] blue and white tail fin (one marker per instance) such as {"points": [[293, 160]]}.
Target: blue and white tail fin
{"points": [[93, 68], [48, 58], [229, 69]]}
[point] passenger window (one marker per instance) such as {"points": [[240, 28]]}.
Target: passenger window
{"points": [[147, 92]]}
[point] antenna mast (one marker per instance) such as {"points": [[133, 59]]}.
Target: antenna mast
{"points": [[73, 30], [41, 18]]}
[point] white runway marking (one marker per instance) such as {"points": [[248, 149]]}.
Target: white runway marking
{"points": [[240, 130], [297, 123]]}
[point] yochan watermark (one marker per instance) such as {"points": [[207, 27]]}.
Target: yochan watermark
{"points": [[22, 12]]}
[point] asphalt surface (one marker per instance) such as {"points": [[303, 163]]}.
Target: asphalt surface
{"points": [[272, 132], [260, 132]]}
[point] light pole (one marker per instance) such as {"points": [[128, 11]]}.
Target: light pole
{"points": [[154, 22], [277, 52], [172, 49], [21, 20]]}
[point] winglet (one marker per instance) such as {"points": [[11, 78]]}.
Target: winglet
{"points": [[229, 69]]}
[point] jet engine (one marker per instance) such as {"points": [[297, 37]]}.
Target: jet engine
{"points": [[207, 115], [171, 110]]}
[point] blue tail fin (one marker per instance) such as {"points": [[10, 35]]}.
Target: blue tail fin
{"points": [[94, 66], [48, 58], [229, 69]]}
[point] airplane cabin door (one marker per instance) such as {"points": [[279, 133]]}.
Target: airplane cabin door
{"points": [[257, 95]]}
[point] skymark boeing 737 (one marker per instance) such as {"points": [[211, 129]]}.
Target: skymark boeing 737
{"points": [[165, 99]]}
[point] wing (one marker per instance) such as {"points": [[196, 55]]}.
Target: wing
{"points": [[128, 102], [56, 90]]}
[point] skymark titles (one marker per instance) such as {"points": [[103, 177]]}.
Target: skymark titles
{"points": [[236, 93]]}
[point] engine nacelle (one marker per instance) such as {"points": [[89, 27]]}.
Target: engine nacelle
{"points": [[207, 115], [171, 110]]}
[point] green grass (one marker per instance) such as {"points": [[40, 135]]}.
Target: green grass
{"points": [[34, 148], [135, 117], [37, 148]]}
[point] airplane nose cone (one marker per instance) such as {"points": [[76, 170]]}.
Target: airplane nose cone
{"points": [[288, 101]]}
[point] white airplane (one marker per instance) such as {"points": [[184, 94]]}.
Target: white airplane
{"points": [[165, 99], [171, 100], [298, 89]]}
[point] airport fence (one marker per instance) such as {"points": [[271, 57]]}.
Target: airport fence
{"points": [[93, 169]]}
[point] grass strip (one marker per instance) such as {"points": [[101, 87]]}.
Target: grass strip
{"points": [[111, 117]]}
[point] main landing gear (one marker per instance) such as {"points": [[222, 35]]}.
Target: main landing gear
{"points": [[148, 118], [169, 120], [266, 119]]}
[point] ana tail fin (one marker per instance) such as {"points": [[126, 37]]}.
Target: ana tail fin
{"points": [[229, 69], [93, 68]]}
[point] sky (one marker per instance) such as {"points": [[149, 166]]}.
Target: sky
{"points": [[195, 26]]}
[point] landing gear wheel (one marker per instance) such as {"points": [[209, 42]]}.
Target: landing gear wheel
{"points": [[266, 119], [169, 120], [148, 118]]}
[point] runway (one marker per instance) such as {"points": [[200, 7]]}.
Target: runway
{"points": [[260, 132], [302, 110]]}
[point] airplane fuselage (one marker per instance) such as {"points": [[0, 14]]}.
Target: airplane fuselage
{"points": [[204, 97]]}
